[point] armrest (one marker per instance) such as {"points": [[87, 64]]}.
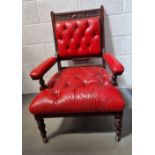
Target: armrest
{"points": [[40, 70], [115, 66]]}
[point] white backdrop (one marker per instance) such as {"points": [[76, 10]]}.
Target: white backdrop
{"points": [[38, 36]]}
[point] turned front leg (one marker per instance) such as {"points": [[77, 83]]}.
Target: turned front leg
{"points": [[118, 125], [41, 127]]}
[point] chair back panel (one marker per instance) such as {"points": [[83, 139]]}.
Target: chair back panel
{"points": [[79, 34], [78, 37]]}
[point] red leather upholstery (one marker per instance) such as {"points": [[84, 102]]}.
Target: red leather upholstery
{"points": [[115, 66], [80, 37], [77, 90], [40, 70]]}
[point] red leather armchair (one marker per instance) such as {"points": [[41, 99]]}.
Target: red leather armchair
{"points": [[86, 90]]}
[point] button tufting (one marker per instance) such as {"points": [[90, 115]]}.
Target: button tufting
{"points": [[75, 77], [93, 34], [71, 36], [87, 24], [66, 85], [65, 27], [76, 26], [77, 46], [79, 32], [55, 92], [82, 34], [88, 44], [85, 94], [67, 46], [60, 37]]}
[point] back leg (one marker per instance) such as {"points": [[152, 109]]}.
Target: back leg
{"points": [[118, 125]]}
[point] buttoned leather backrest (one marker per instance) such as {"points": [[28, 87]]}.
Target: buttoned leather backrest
{"points": [[78, 37]]}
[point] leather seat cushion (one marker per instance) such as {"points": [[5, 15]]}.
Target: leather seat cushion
{"points": [[78, 90]]}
